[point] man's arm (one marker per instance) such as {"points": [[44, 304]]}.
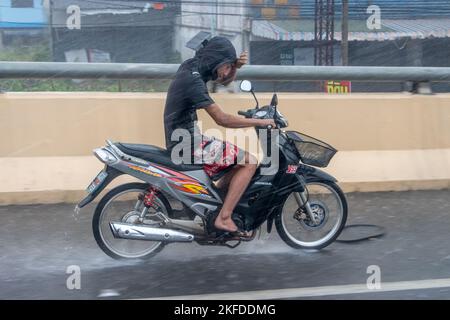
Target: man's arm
{"points": [[230, 121]]}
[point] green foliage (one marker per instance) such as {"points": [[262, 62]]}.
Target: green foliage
{"points": [[42, 52], [67, 85], [39, 52]]}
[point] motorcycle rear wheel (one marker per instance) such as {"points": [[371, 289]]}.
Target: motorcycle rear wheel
{"points": [[119, 205]]}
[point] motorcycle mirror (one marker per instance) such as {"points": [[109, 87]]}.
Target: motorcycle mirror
{"points": [[274, 101], [246, 86]]}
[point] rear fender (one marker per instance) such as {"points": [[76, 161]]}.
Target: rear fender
{"points": [[112, 174]]}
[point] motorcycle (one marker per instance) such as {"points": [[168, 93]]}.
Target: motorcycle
{"points": [[179, 202]]}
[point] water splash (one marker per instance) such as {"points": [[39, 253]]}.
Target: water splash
{"points": [[107, 293], [76, 213]]}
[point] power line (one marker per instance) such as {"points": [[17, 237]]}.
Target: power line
{"points": [[124, 23], [440, 7], [393, 6], [359, 5], [198, 3], [436, 8]]}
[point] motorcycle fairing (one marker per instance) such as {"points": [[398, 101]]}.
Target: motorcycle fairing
{"points": [[193, 188]]}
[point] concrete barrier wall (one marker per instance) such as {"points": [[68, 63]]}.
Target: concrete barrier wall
{"points": [[386, 141]]}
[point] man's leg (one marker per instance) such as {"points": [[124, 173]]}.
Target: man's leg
{"points": [[224, 182], [239, 181]]}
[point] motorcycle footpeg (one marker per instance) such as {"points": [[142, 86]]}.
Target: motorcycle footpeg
{"points": [[210, 228], [223, 236]]}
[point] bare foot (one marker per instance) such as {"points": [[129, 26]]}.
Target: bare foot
{"points": [[225, 224]]}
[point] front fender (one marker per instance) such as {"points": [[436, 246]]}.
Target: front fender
{"points": [[314, 174]]}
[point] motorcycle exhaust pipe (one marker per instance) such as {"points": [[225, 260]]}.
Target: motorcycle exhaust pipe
{"points": [[142, 232]]}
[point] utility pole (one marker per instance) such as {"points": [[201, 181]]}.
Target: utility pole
{"points": [[324, 33], [214, 26], [48, 5], [344, 41]]}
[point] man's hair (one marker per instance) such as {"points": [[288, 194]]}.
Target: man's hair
{"points": [[217, 52], [231, 76]]}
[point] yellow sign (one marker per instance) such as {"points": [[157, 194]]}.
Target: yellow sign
{"points": [[336, 87]]}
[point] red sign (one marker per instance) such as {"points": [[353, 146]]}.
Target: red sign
{"points": [[158, 6]]}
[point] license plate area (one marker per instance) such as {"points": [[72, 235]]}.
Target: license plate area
{"points": [[98, 180]]}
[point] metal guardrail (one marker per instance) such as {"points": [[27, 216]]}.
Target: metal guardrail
{"points": [[63, 70]]}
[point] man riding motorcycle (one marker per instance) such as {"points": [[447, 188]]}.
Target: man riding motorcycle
{"points": [[216, 61]]}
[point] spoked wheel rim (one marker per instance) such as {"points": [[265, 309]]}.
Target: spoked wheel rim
{"points": [[328, 208], [122, 207]]}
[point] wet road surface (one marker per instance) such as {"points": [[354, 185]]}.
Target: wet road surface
{"points": [[39, 242]]}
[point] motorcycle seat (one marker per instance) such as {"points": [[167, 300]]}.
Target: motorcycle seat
{"points": [[156, 155]]}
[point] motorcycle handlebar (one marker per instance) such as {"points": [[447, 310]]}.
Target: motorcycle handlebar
{"points": [[248, 114], [244, 113]]}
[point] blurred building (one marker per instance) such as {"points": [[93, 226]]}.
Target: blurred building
{"points": [[22, 20], [228, 18], [411, 33], [116, 31]]}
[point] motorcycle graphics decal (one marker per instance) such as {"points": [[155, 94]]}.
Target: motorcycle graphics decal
{"points": [[184, 183], [191, 188], [144, 170], [179, 180]]}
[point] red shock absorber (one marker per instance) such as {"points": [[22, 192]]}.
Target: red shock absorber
{"points": [[149, 196]]}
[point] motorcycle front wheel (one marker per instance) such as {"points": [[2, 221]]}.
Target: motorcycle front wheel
{"points": [[329, 206], [122, 204]]}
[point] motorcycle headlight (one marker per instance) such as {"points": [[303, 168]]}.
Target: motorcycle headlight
{"points": [[105, 156], [283, 121]]}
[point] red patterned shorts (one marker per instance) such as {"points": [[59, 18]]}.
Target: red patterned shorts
{"points": [[218, 156]]}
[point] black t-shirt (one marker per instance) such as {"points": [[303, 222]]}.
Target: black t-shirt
{"points": [[187, 93]]}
